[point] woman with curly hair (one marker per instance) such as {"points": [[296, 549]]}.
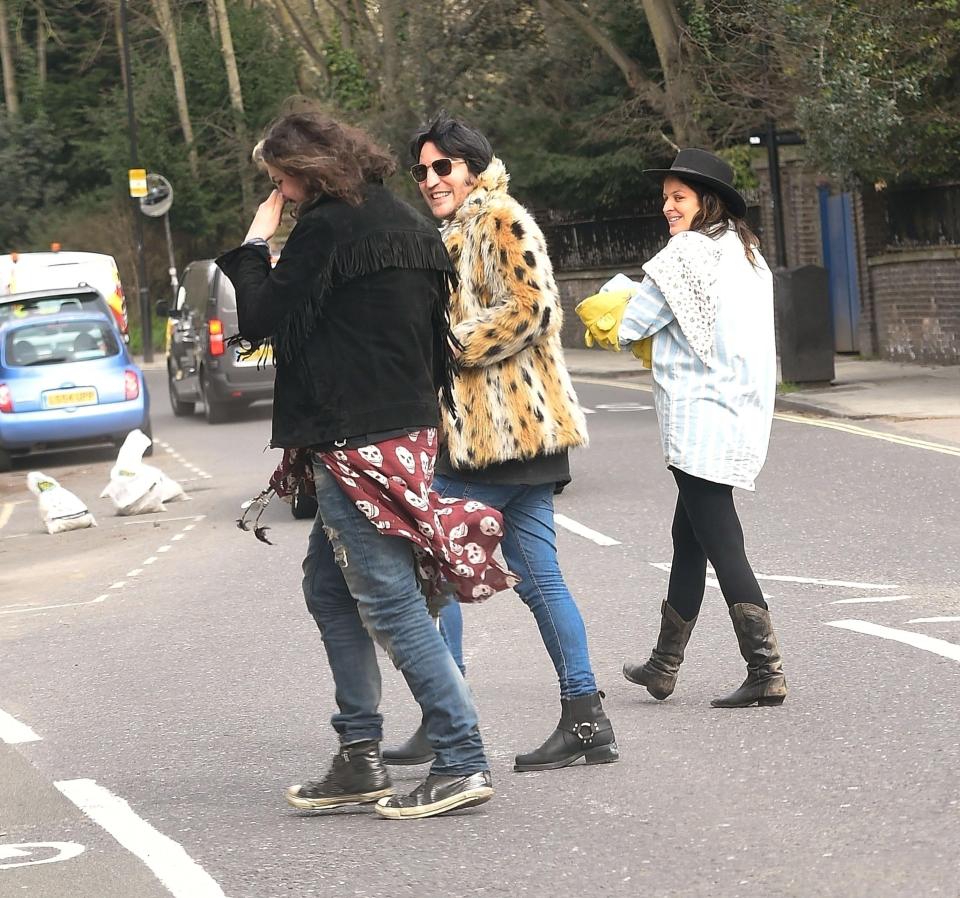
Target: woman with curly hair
{"points": [[356, 308]]}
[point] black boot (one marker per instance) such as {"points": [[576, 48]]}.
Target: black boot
{"points": [[584, 731], [765, 683], [659, 674], [416, 750], [356, 776]]}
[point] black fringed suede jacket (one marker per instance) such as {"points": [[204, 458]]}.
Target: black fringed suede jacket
{"points": [[356, 308]]}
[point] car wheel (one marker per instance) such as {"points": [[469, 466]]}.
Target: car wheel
{"points": [[215, 412], [303, 506], [6, 461], [180, 409]]}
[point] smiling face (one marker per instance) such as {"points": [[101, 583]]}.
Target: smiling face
{"points": [[444, 195], [680, 204], [291, 187]]}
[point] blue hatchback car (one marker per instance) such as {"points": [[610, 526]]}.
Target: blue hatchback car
{"points": [[67, 379]]}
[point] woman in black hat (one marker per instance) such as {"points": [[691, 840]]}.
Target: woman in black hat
{"points": [[707, 305]]}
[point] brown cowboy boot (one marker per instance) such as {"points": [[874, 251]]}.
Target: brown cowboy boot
{"points": [[659, 673], [765, 683]]}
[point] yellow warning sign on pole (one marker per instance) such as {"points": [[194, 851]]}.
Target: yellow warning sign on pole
{"points": [[138, 182]]}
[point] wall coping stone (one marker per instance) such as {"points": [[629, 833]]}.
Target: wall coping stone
{"points": [[916, 254]]}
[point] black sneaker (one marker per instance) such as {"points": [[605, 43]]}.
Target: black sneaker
{"points": [[356, 776], [438, 795]]}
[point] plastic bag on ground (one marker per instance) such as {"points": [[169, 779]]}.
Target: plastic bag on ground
{"points": [[60, 510], [136, 488]]}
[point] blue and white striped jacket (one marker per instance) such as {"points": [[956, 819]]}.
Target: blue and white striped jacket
{"points": [[714, 416]]}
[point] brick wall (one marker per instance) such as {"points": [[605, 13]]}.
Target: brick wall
{"points": [[916, 304]]}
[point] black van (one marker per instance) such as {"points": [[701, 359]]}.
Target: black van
{"points": [[200, 366]]}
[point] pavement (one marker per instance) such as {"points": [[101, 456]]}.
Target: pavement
{"points": [[907, 397]]}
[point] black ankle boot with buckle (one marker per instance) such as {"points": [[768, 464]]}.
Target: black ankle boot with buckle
{"points": [[356, 776], [584, 731]]}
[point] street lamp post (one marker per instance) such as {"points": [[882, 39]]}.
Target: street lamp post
{"points": [[146, 321]]}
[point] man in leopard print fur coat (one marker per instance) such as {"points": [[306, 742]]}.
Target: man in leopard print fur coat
{"points": [[517, 415]]}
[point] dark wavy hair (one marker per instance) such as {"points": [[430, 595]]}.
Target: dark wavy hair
{"points": [[330, 157], [456, 138], [714, 217]]}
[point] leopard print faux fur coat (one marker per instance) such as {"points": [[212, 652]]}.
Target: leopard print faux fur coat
{"points": [[513, 395]]}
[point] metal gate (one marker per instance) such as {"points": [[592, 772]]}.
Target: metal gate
{"points": [[840, 260]]}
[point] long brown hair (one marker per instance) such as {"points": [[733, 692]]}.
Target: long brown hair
{"points": [[331, 158], [714, 217]]}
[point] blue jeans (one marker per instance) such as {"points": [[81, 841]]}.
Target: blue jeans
{"points": [[530, 550], [359, 584]]}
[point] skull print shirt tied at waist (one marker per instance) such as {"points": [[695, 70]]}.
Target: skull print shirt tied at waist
{"points": [[454, 540]]}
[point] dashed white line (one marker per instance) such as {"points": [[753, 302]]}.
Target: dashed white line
{"points": [[150, 560], [164, 548], [118, 585], [176, 537], [867, 600], [136, 572], [934, 620], [180, 874], [581, 530], [917, 640], [13, 732]]}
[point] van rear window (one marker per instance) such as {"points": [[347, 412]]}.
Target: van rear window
{"points": [[12, 309]]}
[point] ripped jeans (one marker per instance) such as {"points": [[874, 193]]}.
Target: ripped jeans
{"points": [[359, 584]]}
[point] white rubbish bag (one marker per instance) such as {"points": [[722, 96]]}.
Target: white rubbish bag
{"points": [[60, 510], [134, 487]]}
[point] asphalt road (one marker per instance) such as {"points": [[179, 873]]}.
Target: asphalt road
{"points": [[161, 673]]}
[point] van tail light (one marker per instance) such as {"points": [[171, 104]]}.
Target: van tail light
{"points": [[215, 329], [6, 399], [131, 384]]}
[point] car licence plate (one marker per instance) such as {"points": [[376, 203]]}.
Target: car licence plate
{"points": [[262, 356], [70, 397]]}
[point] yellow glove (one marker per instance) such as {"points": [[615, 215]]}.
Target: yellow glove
{"points": [[643, 350], [602, 314]]}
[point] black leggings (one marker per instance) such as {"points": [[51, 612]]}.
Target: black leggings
{"points": [[706, 526]]}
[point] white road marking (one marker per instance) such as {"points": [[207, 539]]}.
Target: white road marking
{"points": [[581, 530], [180, 874], [162, 520], [917, 640], [150, 560], [864, 600], [96, 601], [136, 572], [164, 548], [624, 407], [708, 580], [934, 620], [65, 851], [13, 732], [176, 537], [587, 411], [814, 581]]}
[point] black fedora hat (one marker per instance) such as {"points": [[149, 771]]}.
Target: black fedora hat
{"points": [[711, 171]]}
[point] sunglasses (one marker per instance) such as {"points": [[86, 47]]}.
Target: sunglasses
{"points": [[442, 167]]}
